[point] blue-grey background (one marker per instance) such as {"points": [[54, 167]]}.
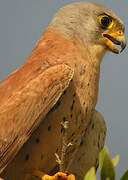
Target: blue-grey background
{"points": [[21, 25]]}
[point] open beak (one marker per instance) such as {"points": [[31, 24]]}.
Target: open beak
{"points": [[113, 39]]}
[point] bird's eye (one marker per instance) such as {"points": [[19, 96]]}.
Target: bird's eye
{"points": [[105, 21]]}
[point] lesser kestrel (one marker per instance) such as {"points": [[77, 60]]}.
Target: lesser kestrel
{"points": [[58, 83]]}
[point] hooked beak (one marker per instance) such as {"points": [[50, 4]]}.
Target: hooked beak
{"points": [[113, 39]]}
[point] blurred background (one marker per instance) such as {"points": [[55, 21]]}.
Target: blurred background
{"points": [[22, 24]]}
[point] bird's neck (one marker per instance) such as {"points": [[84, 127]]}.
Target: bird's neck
{"points": [[97, 52]]}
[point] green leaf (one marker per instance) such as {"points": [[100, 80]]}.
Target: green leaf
{"points": [[125, 175], [90, 174], [101, 157], [106, 167], [115, 160]]}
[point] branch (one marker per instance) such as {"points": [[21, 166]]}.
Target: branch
{"points": [[65, 145]]}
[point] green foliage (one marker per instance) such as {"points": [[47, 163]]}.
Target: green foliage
{"points": [[106, 167], [115, 160], [125, 175], [90, 174]]}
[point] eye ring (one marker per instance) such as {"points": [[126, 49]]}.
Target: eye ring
{"points": [[105, 21]]}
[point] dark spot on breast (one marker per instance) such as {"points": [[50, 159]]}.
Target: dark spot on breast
{"points": [[84, 103], [92, 126], [81, 143], [62, 129], [72, 106], [71, 115], [74, 94], [86, 109], [88, 84], [79, 158], [98, 144], [49, 128], [73, 134], [37, 140], [27, 157], [64, 119], [56, 150]]}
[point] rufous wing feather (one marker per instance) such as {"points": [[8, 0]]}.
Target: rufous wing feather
{"points": [[26, 107]]}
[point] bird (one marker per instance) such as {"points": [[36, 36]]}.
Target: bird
{"points": [[48, 103]]}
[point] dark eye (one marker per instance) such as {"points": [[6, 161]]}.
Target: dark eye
{"points": [[105, 21]]}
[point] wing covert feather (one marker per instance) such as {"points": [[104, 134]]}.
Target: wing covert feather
{"points": [[22, 113]]}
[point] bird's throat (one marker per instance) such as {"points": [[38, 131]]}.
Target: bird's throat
{"points": [[97, 53]]}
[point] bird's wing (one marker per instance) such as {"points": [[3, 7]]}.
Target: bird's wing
{"points": [[23, 110]]}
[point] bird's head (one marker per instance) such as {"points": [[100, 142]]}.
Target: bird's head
{"points": [[98, 27]]}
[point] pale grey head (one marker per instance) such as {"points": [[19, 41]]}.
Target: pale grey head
{"points": [[93, 24]]}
